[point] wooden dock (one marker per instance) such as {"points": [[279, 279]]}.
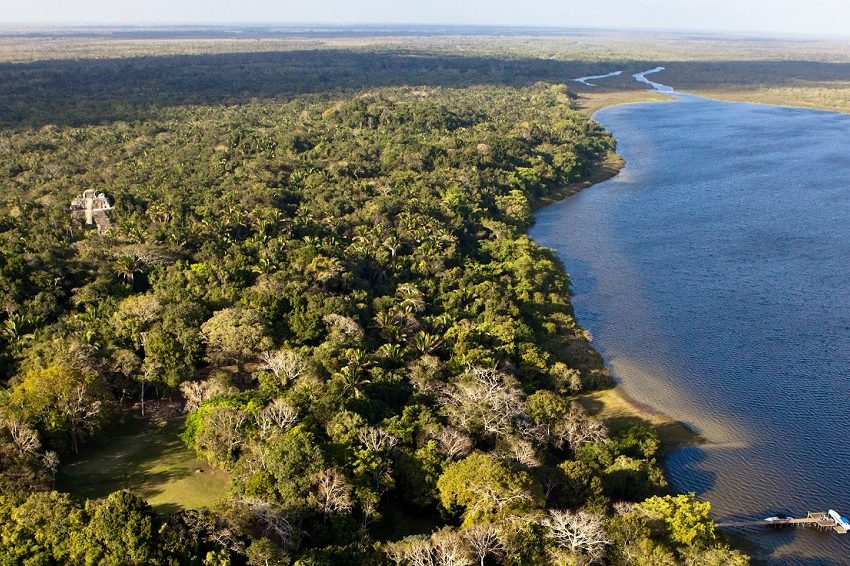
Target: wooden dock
{"points": [[817, 520]]}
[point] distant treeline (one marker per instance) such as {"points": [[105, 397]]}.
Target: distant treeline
{"points": [[102, 90], [93, 91]]}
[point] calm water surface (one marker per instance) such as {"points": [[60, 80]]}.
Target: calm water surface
{"points": [[714, 274]]}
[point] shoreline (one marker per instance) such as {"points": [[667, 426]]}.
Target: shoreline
{"points": [[614, 406], [617, 409], [822, 98], [588, 103]]}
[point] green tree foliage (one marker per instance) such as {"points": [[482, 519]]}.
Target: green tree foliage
{"points": [[292, 461], [235, 334], [342, 289], [684, 518], [122, 530], [485, 489], [673, 529], [62, 399], [49, 528], [38, 530]]}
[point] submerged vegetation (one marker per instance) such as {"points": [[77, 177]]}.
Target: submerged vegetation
{"points": [[339, 290]]}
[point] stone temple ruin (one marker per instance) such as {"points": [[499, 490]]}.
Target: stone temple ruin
{"points": [[93, 206]]}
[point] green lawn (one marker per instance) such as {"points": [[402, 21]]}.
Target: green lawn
{"points": [[152, 461]]}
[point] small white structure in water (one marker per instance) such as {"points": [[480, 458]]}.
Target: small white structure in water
{"points": [[93, 206]]}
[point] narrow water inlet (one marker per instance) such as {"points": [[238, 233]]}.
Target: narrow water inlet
{"points": [[584, 80]]}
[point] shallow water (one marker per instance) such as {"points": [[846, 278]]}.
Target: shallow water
{"points": [[714, 274]]}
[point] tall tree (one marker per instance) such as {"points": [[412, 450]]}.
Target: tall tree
{"points": [[64, 398]]}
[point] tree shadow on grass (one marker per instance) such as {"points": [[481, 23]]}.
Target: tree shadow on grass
{"points": [[153, 462]]}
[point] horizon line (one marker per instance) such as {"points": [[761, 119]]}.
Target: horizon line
{"points": [[391, 26]]}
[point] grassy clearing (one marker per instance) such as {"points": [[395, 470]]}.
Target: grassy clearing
{"points": [[616, 410], [149, 459], [835, 98]]}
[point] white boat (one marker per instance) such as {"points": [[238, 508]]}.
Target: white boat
{"points": [[840, 520]]}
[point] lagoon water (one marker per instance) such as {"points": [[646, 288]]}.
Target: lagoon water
{"points": [[714, 275]]}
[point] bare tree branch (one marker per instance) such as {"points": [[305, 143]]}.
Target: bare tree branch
{"points": [[579, 532]]}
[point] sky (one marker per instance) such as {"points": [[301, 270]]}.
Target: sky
{"points": [[809, 17]]}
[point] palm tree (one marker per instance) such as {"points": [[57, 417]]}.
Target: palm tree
{"points": [[265, 218], [425, 343], [354, 375], [14, 330], [411, 298], [391, 353], [393, 244], [127, 267], [386, 324], [264, 266]]}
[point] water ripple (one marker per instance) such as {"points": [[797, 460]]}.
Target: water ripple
{"points": [[713, 276]]}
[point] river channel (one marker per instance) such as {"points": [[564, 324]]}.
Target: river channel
{"points": [[714, 275]]}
